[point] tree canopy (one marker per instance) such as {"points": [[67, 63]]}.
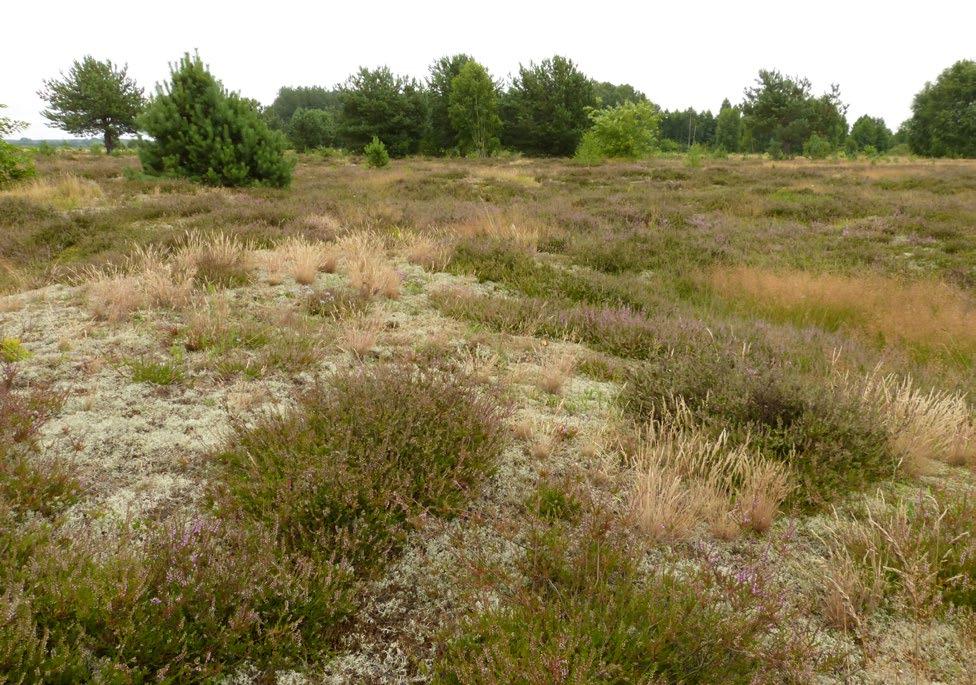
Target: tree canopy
{"points": [[201, 131], [728, 127], [780, 114], [870, 131], [290, 99], [628, 131], [94, 98], [545, 110], [375, 102], [443, 135], [473, 110], [943, 122]]}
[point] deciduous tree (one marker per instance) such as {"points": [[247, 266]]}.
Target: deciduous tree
{"points": [[474, 110], [94, 98]]}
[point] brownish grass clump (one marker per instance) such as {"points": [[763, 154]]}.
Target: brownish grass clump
{"points": [[426, 250], [922, 426], [930, 318], [364, 261], [65, 191], [685, 477], [218, 260]]}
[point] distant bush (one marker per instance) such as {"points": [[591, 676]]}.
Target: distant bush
{"points": [[376, 154], [311, 128], [627, 131], [204, 133], [14, 164], [817, 148]]}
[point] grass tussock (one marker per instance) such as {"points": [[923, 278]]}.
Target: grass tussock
{"points": [[922, 426], [915, 556], [217, 260], [833, 443], [931, 319], [519, 232], [363, 259], [684, 477], [65, 192], [426, 250]]}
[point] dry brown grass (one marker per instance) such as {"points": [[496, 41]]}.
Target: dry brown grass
{"points": [[520, 231], [147, 279], [426, 250], [306, 259], [923, 426], [555, 372], [684, 477], [359, 336], [929, 317], [363, 259], [64, 191], [215, 259]]}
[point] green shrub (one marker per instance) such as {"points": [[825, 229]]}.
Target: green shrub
{"points": [[376, 154], [15, 165], [584, 613], [309, 129], [196, 601], [204, 133], [817, 148], [833, 443], [348, 471], [12, 350], [628, 131]]}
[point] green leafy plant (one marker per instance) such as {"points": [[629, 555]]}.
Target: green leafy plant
{"points": [[628, 130], [376, 155], [12, 350]]}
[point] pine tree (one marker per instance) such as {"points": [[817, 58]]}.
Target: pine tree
{"points": [[204, 133]]}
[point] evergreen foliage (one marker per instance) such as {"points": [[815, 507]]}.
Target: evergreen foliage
{"points": [[201, 131]]}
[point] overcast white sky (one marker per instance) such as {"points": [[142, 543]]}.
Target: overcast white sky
{"points": [[679, 54]]}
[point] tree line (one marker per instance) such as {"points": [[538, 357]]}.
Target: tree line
{"points": [[550, 108]]}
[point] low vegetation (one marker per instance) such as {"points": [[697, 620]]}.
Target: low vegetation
{"points": [[688, 419]]}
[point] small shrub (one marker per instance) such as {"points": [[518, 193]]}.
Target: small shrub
{"points": [[346, 473], [14, 165], [200, 131], [585, 614], [12, 350], [376, 155], [817, 148]]}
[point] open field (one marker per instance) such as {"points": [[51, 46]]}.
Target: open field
{"points": [[490, 421]]}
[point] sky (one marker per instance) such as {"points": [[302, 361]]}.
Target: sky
{"points": [[679, 54]]}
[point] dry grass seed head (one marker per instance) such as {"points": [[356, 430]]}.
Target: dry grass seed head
{"points": [[359, 336], [426, 250], [364, 260]]}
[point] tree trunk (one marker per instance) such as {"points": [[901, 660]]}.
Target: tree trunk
{"points": [[110, 141]]}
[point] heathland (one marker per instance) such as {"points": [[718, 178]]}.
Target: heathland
{"points": [[690, 419]]}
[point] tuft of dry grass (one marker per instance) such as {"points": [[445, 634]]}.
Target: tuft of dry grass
{"points": [[363, 258], [113, 297], [307, 259], [555, 372], [359, 336], [426, 250], [930, 318], [521, 232], [217, 259], [683, 477], [923, 426], [65, 191]]}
